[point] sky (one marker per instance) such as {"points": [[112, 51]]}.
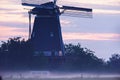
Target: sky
{"points": [[100, 34]]}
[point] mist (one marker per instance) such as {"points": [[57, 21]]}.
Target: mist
{"points": [[50, 75]]}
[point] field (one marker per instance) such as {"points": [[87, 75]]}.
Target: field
{"points": [[66, 79], [45, 75]]}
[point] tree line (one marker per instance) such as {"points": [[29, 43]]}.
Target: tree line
{"points": [[17, 54]]}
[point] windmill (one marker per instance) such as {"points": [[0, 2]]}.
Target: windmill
{"points": [[46, 35]]}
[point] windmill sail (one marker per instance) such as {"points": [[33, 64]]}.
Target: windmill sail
{"points": [[77, 11], [34, 2], [77, 14]]}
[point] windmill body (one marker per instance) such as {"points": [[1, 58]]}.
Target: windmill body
{"points": [[46, 35]]}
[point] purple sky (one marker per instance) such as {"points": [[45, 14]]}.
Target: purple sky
{"points": [[100, 34]]}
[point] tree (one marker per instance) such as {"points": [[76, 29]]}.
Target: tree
{"points": [[18, 53], [114, 62], [15, 52], [81, 58]]}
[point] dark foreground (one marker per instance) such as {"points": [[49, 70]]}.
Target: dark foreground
{"points": [[47, 75]]}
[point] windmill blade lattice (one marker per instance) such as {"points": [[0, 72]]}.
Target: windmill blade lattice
{"points": [[34, 2], [29, 12], [77, 11]]}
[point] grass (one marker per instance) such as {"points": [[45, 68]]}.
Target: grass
{"points": [[64, 79]]}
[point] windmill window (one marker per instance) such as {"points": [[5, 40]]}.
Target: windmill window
{"points": [[60, 53], [51, 34], [33, 35], [47, 53]]}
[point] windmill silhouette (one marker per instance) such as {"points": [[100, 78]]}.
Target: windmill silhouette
{"points": [[46, 35]]}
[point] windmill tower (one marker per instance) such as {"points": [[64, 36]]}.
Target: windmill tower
{"points": [[46, 35]]}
